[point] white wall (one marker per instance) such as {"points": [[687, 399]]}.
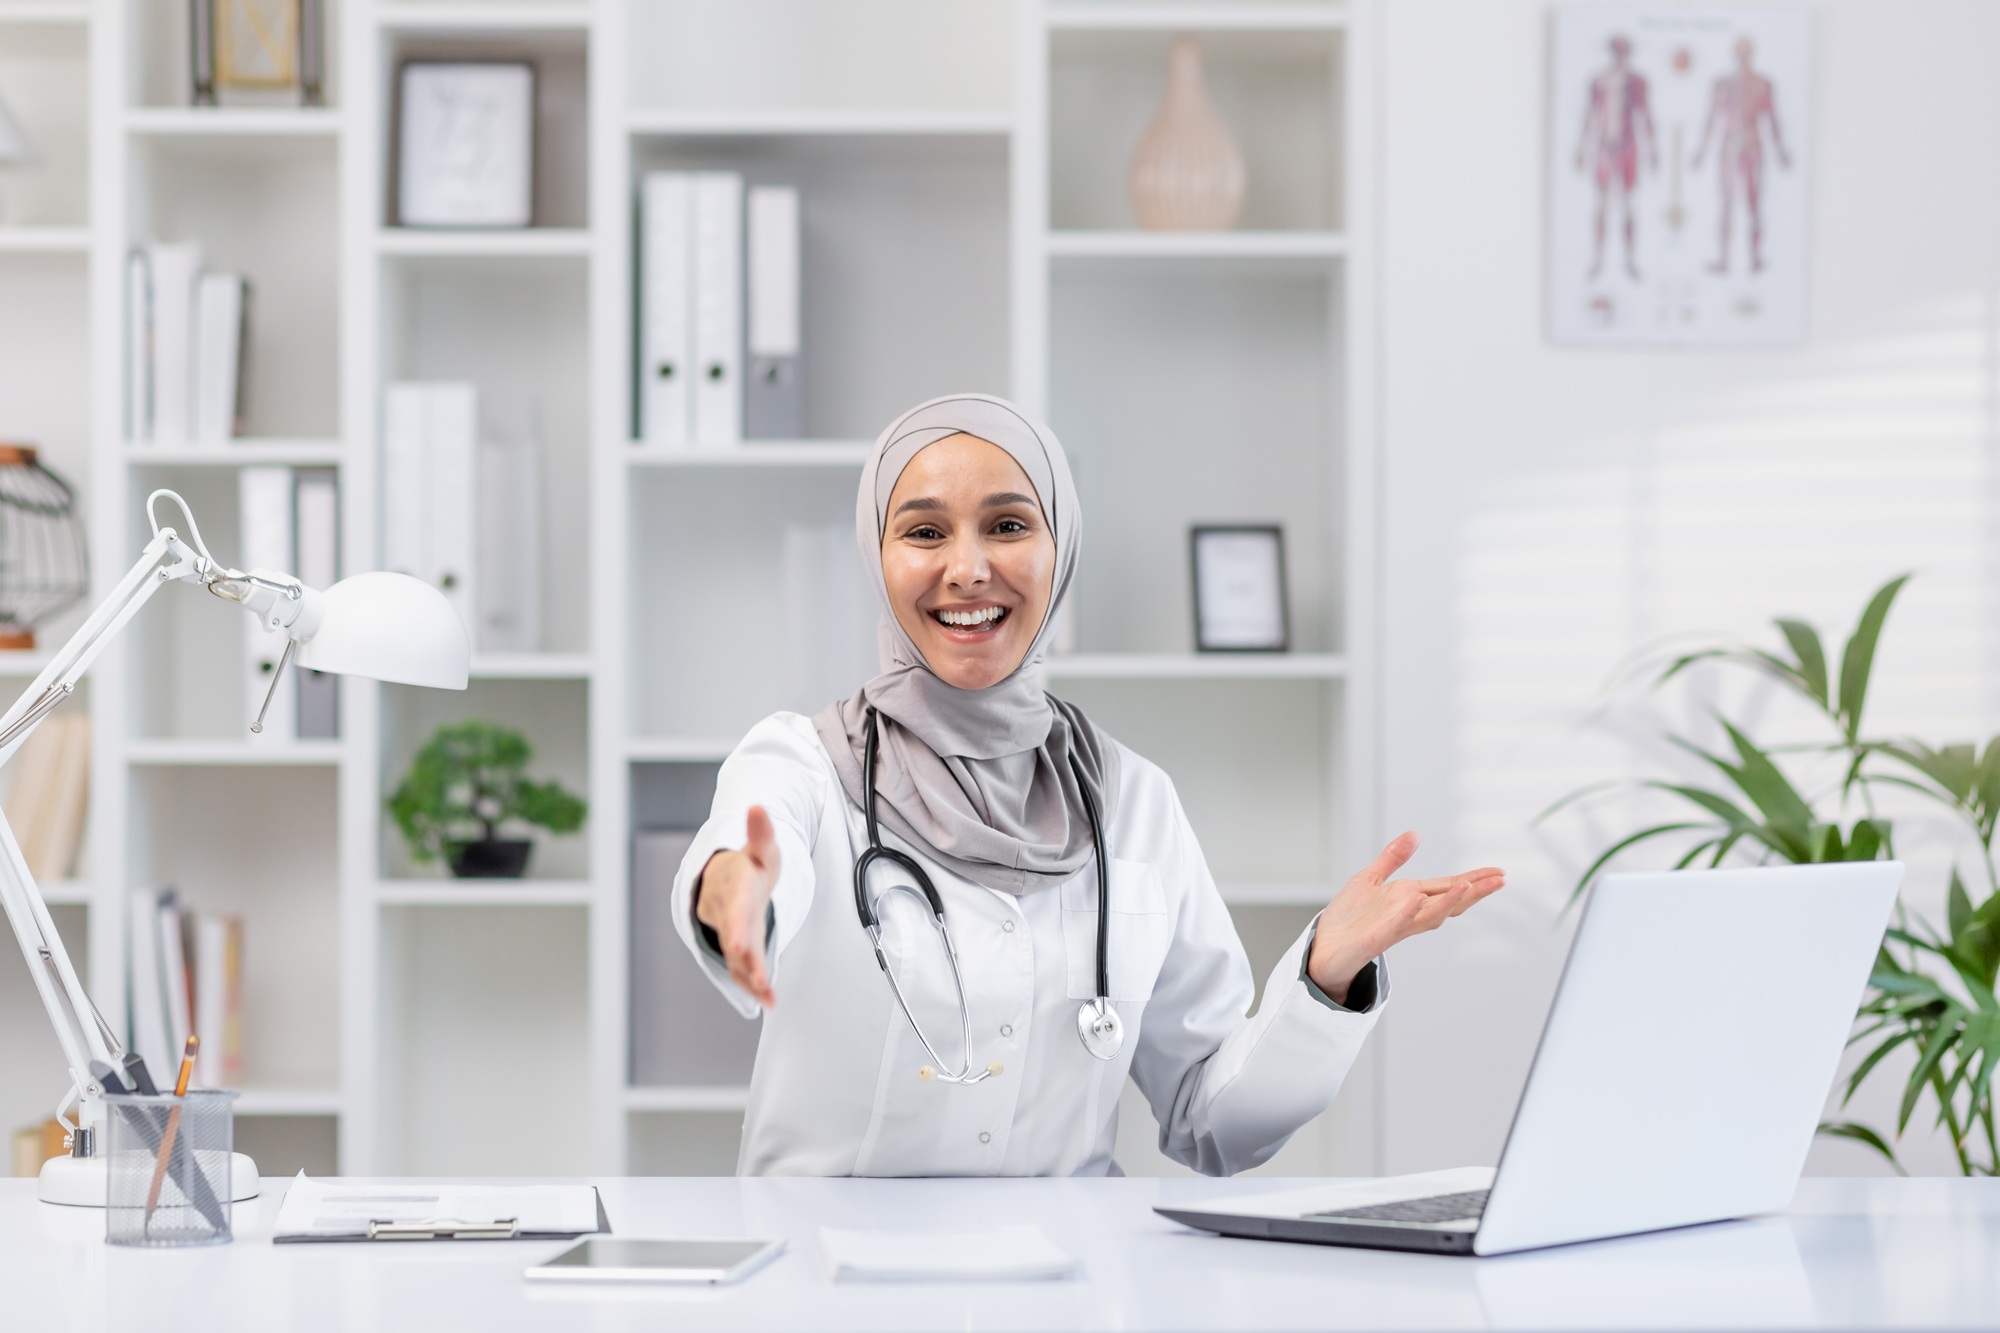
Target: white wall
{"points": [[1548, 510]]}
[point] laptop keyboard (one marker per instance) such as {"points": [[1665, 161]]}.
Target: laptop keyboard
{"points": [[1436, 1208]]}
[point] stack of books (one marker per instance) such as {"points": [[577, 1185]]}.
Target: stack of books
{"points": [[186, 337], [184, 974], [50, 795]]}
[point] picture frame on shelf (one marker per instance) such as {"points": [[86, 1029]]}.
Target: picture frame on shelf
{"points": [[465, 144], [256, 44], [1240, 601]]}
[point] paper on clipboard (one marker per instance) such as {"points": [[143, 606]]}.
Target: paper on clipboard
{"points": [[322, 1210]]}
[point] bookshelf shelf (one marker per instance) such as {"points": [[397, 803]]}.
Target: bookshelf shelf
{"points": [[1196, 666], [45, 11], [690, 1098], [511, 243], [1196, 245], [18, 663], [531, 666], [678, 749], [757, 453], [242, 452], [483, 893], [1197, 18], [68, 893], [810, 122], [480, 18], [175, 122], [179, 753], [289, 1101], [44, 240]]}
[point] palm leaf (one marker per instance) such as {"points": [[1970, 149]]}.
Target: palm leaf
{"points": [[1857, 660], [1848, 1129], [1811, 670]]}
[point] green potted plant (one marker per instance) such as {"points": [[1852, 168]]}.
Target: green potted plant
{"points": [[468, 780], [1933, 990]]}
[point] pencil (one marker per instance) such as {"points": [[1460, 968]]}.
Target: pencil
{"points": [[173, 1126]]}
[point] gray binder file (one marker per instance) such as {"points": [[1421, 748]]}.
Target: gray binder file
{"points": [[774, 395], [683, 1033]]}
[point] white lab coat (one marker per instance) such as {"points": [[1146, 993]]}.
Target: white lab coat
{"points": [[836, 1090]]}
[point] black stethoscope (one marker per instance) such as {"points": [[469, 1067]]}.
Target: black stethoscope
{"points": [[1097, 1023]]}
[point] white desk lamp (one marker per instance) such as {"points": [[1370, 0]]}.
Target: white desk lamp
{"points": [[385, 626]]}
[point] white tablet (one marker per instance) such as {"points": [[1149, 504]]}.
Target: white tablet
{"points": [[619, 1259]]}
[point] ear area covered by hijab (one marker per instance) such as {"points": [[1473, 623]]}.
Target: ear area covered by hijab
{"points": [[981, 780]]}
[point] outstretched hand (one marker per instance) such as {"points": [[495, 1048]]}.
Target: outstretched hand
{"points": [[731, 897], [1372, 912]]}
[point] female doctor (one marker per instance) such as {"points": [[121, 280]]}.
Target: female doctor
{"points": [[959, 1003]]}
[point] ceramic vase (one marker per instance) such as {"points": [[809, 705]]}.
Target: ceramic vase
{"points": [[1188, 173]]}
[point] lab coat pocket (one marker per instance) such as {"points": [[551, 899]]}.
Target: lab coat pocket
{"points": [[1141, 931]]}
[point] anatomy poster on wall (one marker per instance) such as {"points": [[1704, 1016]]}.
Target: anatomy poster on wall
{"points": [[1678, 144]]}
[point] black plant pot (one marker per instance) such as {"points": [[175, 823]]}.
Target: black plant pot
{"points": [[491, 858]]}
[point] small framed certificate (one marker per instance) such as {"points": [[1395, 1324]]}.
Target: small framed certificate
{"points": [[1239, 588], [466, 144]]}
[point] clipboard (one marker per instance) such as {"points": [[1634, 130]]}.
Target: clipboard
{"points": [[316, 1212]]}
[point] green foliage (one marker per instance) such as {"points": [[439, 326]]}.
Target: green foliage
{"points": [[466, 781], [1931, 992]]}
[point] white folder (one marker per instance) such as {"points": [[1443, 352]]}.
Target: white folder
{"points": [[219, 304], [773, 394], [138, 346], [406, 547], [666, 333], [175, 269], [454, 497], [718, 309], [264, 496]]}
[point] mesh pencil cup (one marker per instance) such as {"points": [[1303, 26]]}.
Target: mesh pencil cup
{"points": [[169, 1161]]}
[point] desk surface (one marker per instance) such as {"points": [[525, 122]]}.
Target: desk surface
{"points": [[1851, 1254]]}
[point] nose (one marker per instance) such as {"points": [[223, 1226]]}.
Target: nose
{"points": [[966, 565]]}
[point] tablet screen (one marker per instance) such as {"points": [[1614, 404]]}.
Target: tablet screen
{"points": [[665, 1260]]}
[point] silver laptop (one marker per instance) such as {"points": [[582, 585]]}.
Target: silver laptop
{"points": [[1695, 1033]]}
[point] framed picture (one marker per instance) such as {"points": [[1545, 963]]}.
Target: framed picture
{"points": [[256, 43], [466, 144], [1239, 588]]}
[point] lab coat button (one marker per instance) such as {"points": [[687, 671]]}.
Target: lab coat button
{"points": [[1007, 926], [985, 1137], [1006, 1029]]}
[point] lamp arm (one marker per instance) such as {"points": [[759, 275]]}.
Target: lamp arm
{"points": [[80, 1030]]}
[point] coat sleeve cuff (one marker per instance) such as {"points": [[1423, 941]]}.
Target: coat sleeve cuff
{"points": [[1364, 993]]}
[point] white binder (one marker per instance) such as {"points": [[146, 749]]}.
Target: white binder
{"points": [[264, 496], [718, 309], [773, 394], [510, 547], [454, 497], [316, 522], [219, 306], [174, 271], [138, 346], [666, 202]]}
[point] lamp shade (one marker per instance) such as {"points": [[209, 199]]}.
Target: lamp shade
{"points": [[390, 627]]}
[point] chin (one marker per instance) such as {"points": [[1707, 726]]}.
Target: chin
{"points": [[971, 671]]}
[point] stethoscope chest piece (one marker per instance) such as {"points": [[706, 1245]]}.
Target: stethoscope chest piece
{"points": [[1097, 1023]]}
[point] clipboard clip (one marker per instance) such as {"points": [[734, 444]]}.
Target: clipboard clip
{"points": [[443, 1228]]}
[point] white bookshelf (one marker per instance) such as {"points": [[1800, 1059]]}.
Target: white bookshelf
{"points": [[957, 156]]}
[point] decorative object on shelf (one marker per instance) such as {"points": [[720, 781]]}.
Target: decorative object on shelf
{"points": [[312, 52], [201, 52], [1188, 173], [44, 559], [256, 44], [1240, 602], [1677, 175], [13, 152], [466, 145], [468, 778], [386, 626], [1933, 990]]}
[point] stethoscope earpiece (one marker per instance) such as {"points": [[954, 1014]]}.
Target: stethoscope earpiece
{"points": [[1097, 1023]]}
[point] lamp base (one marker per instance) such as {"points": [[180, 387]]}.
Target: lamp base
{"points": [[84, 1182]]}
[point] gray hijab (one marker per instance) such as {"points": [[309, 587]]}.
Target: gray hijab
{"points": [[979, 779]]}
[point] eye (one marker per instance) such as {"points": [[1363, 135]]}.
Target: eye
{"points": [[924, 532], [1010, 527]]}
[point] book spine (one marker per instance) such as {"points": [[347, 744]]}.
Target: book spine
{"points": [[218, 351], [174, 270], [774, 399], [138, 347], [665, 320]]}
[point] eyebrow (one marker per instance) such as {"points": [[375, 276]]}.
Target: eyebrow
{"points": [[993, 501]]}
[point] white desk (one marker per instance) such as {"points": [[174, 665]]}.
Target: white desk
{"points": [[1851, 1254]]}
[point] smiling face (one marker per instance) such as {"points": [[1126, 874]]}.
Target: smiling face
{"points": [[968, 560]]}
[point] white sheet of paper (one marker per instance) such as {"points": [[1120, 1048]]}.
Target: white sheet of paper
{"points": [[933, 1256], [324, 1208]]}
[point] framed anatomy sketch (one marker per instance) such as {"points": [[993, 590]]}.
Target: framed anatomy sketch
{"points": [[466, 146], [1239, 588], [1678, 147]]}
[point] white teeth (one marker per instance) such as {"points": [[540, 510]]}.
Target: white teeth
{"points": [[969, 618]]}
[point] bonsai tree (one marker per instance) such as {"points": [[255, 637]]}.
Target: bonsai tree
{"points": [[467, 780]]}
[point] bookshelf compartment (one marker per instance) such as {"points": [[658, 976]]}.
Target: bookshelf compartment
{"points": [[284, 1145], [28, 1047], [904, 262], [45, 78], [265, 208], [518, 330], [760, 55], [553, 715], [45, 393], [1157, 369], [746, 596], [560, 187], [683, 1143], [159, 73], [1256, 764], [472, 1002], [1280, 94], [257, 842]]}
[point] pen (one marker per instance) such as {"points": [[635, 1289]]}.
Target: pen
{"points": [[173, 1126]]}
